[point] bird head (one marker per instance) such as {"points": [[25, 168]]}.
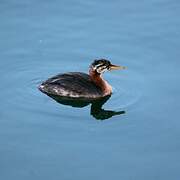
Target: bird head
{"points": [[103, 65]]}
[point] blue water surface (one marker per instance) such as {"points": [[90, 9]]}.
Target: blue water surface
{"points": [[42, 139]]}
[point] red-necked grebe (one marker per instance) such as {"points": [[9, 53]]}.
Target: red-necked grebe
{"points": [[81, 85]]}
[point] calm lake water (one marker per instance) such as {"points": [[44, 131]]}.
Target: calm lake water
{"points": [[42, 139]]}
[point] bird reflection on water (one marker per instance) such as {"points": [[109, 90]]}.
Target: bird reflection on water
{"points": [[96, 106], [79, 89]]}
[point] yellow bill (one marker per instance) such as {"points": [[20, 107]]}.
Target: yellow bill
{"points": [[115, 67]]}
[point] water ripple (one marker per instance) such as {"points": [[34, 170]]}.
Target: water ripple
{"points": [[23, 94]]}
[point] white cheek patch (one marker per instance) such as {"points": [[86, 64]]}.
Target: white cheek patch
{"points": [[101, 69], [97, 66]]}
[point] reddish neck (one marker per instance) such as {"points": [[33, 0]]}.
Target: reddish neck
{"points": [[99, 81]]}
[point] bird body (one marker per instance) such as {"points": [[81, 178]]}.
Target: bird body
{"points": [[80, 85], [72, 84]]}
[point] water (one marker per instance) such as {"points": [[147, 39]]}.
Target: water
{"points": [[42, 139]]}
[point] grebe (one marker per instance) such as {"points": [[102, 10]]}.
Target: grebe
{"points": [[81, 85]]}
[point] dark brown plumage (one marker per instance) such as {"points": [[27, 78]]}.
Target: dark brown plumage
{"points": [[72, 84], [81, 85]]}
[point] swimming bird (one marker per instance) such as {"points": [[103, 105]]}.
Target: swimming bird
{"points": [[79, 84]]}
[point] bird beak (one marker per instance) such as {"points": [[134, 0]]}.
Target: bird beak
{"points": [[115, 67]]}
